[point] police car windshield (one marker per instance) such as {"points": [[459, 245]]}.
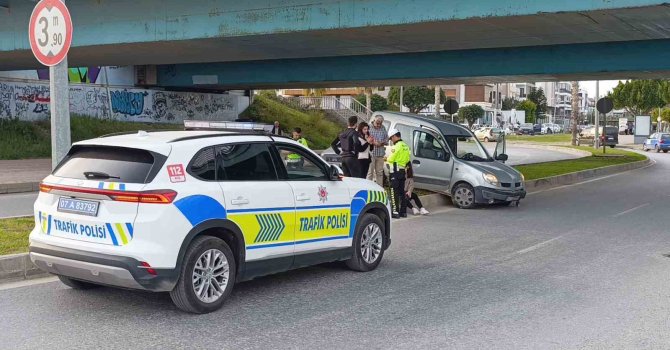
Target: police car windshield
{"points": [[468, 148]]}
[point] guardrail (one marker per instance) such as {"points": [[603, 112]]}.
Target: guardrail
{"points": [[343, 107]]}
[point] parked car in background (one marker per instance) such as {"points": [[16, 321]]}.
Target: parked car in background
{"points": [[537, 128], [658, 142], [551, 128], [610, 137], [526, 129], [488, 134]]}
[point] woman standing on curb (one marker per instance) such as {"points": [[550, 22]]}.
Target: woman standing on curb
{"points": [[364, 156]]}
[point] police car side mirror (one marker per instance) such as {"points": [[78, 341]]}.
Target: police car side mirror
{"points": [[447, 156], [502, 157], [334, 174]]}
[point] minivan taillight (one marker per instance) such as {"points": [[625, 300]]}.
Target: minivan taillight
{"points": [[154, 196]]}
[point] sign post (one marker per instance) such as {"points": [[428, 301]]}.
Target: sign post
{"points": [[604, 106], [50, 33], [451, 107]]}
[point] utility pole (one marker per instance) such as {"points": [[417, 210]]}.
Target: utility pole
{"points": [[402, 92], [597, 120], [59, 94]]}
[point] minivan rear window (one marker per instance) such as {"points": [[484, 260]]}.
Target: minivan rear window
{"points": [[113, 164]]}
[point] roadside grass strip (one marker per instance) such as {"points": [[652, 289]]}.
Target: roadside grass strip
{"points": [[613, 156], [14, 234], [548, 138]]}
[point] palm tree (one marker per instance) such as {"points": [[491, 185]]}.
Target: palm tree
{"points": [[368, 101], [437, 101], [575, 111]]}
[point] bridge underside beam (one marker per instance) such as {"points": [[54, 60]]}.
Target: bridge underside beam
{"points": [[616, 60]]}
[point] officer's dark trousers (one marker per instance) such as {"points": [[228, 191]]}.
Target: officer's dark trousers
{"points": [[397, 192], [351, 167]]}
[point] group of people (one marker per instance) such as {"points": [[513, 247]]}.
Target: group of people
{"points": [[362, 149]]}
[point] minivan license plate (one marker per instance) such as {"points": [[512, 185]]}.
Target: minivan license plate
{"points": [[78, 206]]}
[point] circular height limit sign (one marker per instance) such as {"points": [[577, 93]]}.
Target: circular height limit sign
{"points": [[50, 32]]}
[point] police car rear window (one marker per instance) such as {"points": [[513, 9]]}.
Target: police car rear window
{"points": [[117, 164]]}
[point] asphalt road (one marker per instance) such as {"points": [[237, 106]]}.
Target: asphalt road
{"points": [[22, 204], [578, 267], [16, 204]]}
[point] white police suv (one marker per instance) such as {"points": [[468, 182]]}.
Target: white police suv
{"points": [[194, 212]]}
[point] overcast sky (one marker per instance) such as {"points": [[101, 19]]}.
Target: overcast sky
{"points": [[605, 87]]}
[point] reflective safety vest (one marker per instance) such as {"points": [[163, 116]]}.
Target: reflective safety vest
{"points": [[399, 157], [295, 156]]}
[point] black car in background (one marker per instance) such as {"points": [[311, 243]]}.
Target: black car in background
{"points": [[527, 129]]}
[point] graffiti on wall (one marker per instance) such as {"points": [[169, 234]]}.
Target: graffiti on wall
{"points": [[74, 75], [30, 101]]}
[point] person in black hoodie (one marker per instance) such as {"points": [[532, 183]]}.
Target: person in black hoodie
{"points": [[347, 145]]}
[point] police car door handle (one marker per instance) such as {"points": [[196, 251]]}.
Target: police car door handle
{"points": [[239, 201], [302, 197]]}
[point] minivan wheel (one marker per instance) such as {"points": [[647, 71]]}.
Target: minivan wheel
{"points": [[368, 244], [463, 196], [207, 276], [77, 284]]}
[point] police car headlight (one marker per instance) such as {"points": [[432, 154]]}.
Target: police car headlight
{"points": [[490, 178], [523, 178]]}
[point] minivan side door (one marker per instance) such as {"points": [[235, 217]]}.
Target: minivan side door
{"points": [[431, 161]]}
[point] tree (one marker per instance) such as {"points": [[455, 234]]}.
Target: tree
{"points": [[639, 97], [509, 103], [470, 113], [415, 98], [530, 108], [540, 100], [368, 101], [575, 111], [377, 102]]}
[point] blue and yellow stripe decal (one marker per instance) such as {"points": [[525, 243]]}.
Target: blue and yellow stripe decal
{"points": [[111, 186], [120, 233], [45, 222]]}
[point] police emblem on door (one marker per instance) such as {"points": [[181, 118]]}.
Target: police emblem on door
{"points": [[323, 194]]}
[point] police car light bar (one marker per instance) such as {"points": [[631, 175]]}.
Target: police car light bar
{"points": [[229, 126]]}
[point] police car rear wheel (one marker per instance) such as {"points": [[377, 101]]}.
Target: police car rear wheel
{"points": [[368, 244], [76, 284], [207, 276]]}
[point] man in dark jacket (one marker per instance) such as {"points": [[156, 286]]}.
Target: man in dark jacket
{"points": [[347, 145]]}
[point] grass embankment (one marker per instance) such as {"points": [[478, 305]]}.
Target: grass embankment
{"points": [[316, 128], [14, 234], [549, 138], [22, 139], [596, 160]]}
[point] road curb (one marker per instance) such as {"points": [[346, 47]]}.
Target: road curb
{"points": [[19, 187], [18, 267], [578, 176]]}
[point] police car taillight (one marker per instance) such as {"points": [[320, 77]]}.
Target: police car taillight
{"points": [[150, 197]]}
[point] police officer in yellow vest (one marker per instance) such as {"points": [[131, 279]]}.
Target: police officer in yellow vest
{"points": [[295, 160], [397, 161]]}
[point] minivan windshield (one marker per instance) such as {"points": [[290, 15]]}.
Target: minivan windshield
{"points": [[468, 148]]}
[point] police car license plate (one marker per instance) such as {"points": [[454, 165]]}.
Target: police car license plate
{"points": [[78, 206]]}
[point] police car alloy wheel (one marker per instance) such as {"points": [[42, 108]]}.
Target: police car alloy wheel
{"points": [[207, 276], [464, 196], [368, 244]]}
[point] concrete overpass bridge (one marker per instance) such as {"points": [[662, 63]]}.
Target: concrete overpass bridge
{"points": [[261, 44]]}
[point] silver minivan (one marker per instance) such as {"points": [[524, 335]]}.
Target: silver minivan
{"points": [[448, 158]]}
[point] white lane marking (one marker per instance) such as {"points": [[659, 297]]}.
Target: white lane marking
{"points": [[653, 162], [539, 245], [26, 283], [631, 210]]}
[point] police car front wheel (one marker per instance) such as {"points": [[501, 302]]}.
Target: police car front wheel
{"points": [[368, 244], [207, 276]]}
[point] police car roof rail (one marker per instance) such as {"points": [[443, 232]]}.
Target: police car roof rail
{"points": [[236, 126]]}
